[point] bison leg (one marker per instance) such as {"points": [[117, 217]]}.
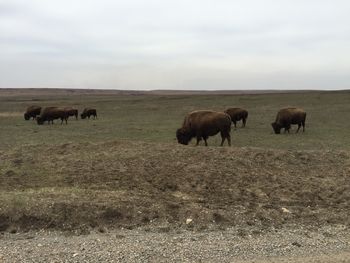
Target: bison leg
{"points": [[222, 141], [234, 122], [287, 128], [199, 138], [303, 123], [225, 136], [243, 122], [299, 125], [205, 140], [228, 137]]}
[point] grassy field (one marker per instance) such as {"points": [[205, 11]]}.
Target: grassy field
{"points": [[127, 169], [155, 118]]}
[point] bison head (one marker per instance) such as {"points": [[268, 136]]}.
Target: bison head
{"points": [[183, 136], [26, 116], [276, 127], [40, 120], [83, 115]]}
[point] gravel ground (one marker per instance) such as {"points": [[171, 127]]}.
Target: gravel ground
{"points": [[328, 244]]}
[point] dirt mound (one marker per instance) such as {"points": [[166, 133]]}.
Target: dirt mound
{"points": [[127, 184]]}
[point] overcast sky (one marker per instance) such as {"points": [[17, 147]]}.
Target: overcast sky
{"points": [[180, 44]]}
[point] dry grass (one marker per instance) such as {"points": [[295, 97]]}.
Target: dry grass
{"points": [[125, 169], [120, 183], [154, 118]]}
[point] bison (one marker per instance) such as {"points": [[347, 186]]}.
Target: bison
{"points": [[32, 112], [202, 124], [71, 112], [237, 114], [51, 113], [287, 116], [88, 112]]}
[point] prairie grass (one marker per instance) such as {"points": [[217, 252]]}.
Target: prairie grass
{"points": [[155, 118]]}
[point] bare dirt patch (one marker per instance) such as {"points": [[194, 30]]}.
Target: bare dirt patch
{"points": [[131, 184], [10, 114]]}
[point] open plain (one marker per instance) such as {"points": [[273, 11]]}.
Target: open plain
{"points": [[121, 188]]}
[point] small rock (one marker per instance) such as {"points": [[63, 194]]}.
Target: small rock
{"points": [[102, 230], [188, 221], [285, 210], [297, 244], [327, 234]]}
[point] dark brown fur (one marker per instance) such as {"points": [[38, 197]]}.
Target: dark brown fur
{"points": [[238, 114], [71, 112], [51, 113], [88, 112], [288, 116], [32, 112], [202, 124]]}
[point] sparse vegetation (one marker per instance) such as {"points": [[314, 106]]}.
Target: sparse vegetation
{"points": [[155, 118], [126, 168]]}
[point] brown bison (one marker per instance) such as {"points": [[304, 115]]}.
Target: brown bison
{"points": [[202, 124], [237, 114], [51, 113], [71, 112], [32, 112], [287, 116], [88, 112]]}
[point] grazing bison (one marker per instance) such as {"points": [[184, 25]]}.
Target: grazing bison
{"points": [[32, 112], [88, 112], [287, 116], [202, 124], [51, 113], [237, 114], [71, 112]]}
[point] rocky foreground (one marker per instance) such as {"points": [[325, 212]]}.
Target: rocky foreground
{"points": [[329, 244]]}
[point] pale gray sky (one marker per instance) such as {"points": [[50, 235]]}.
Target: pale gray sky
{"points": [[180, 44]]}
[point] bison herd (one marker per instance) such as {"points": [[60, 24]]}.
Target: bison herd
{"points": [[197, 124], [50, 114], [204, 123]]}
